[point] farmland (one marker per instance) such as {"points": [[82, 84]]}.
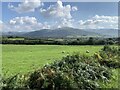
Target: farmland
{"points": [[30, 58], [25, 58], [59, 45]]}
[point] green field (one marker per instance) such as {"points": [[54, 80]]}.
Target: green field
{"points": [[25, 58]]}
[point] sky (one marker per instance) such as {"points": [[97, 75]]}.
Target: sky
{"points": [[36, 15]]}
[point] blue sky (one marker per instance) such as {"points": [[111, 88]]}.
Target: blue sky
{"points": [[59, 14], [85, 10]]}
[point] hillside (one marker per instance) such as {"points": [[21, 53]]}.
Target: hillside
{"points": [[105, 32], [60, 33], [65, 32]]}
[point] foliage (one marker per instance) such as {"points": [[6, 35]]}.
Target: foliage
{"points": [[110, 56], [60, 41], [15, 82]]}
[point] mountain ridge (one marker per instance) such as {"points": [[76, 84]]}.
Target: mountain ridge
{"points": [[66, 32], [60, 32]]}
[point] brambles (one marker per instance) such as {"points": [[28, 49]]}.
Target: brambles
{"points": [[110, 57], [15, 82], [73, 71]]}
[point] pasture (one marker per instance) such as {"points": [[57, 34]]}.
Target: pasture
{"points": [[27, 58]]}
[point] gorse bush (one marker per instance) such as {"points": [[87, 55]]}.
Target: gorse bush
{"points": [[72, 72], [15, 82], [110, 56]]}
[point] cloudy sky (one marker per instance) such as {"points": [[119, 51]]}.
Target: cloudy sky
{"points": [[30, 16]]}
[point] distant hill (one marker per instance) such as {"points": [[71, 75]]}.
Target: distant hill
{"points": [[12, 33], [66, 32], [105, 32], [60, 33]]}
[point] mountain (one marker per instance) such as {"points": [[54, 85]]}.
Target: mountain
{"points": [[60, 33], [66, 32], [12, 33], [105, 32]]}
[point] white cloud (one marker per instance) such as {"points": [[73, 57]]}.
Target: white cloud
{"points": [[100, 22], [64, 23], [74, 8], [25, 24], [31, 23], [23, 20], [61, 13], [46, 26], [58, 10], [1, 25], [26, 6], [1, 22]]}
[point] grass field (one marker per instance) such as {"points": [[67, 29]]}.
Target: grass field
{"points": [[25, 58]]}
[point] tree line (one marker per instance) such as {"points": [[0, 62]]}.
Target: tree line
{"points": [[61, 41]]}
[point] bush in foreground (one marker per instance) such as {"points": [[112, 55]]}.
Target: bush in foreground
{"points": [[110, 57]]}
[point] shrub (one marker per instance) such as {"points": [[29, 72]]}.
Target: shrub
{"points": [[110, 57], [73, 71]]}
